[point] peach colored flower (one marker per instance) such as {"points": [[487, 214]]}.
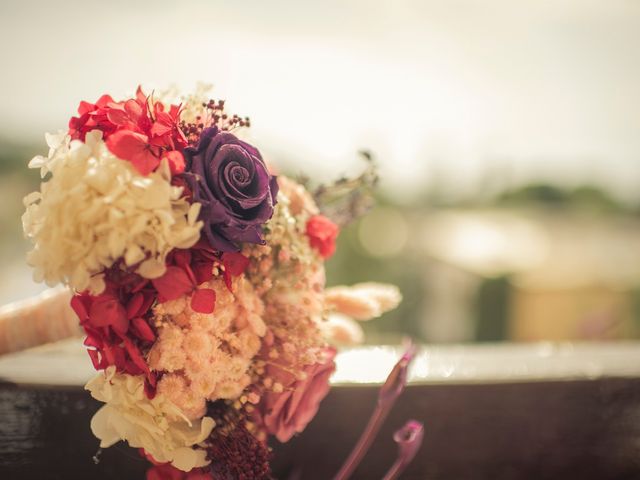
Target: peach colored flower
{"points": [[339, 329], [288, 412], [207, 356], [362, 301]]}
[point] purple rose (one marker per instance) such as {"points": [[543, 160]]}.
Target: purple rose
{"points": [[231, 181]]}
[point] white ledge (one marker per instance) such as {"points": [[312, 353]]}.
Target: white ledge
{"points": [[494, 363], [66, 363]]}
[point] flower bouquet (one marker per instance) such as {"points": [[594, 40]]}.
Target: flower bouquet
{"points": [[198, 278]]}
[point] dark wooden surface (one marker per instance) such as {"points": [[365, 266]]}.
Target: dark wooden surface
{"points": [[587, 429]]}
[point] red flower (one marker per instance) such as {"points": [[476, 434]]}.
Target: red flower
{"points": [[165, 127], [322, 234], [134, 147], [203, 300], [176, 161], [92, 116], [234, 265], [175, 283], [137, 130], [186, 269], [116, 324]]}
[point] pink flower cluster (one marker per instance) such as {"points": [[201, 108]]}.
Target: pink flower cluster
{"points": [[288, 409]]}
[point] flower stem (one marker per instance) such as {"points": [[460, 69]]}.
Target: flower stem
{"points": [[389, 393], [395, 470], [409, 440]]}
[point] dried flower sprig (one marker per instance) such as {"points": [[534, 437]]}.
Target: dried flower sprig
{"points": [[213, 115], [347, 199]]}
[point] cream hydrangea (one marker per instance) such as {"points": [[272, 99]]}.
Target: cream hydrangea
{"points": [[156, 424], [95, 209]]}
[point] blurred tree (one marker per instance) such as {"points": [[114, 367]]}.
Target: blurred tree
{"points": [[585, 197], [492, 309]]}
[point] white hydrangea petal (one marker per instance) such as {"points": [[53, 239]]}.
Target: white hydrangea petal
{"points": [[38, 162], [101, 428], [97, 284], [31, 198], [97, 209], [157, 425], [133, 255], [194, 211], [152, 268], [186, 459]]}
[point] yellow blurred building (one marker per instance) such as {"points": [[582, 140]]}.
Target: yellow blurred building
{"points": [[567, 276]]}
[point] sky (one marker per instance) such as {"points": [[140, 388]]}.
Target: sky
{"points": [[458, 93]]}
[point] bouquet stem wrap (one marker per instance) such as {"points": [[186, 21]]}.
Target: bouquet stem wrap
{"points": [[38, 320]]}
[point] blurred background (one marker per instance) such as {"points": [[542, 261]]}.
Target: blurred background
{"points": [[507, 136]]}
